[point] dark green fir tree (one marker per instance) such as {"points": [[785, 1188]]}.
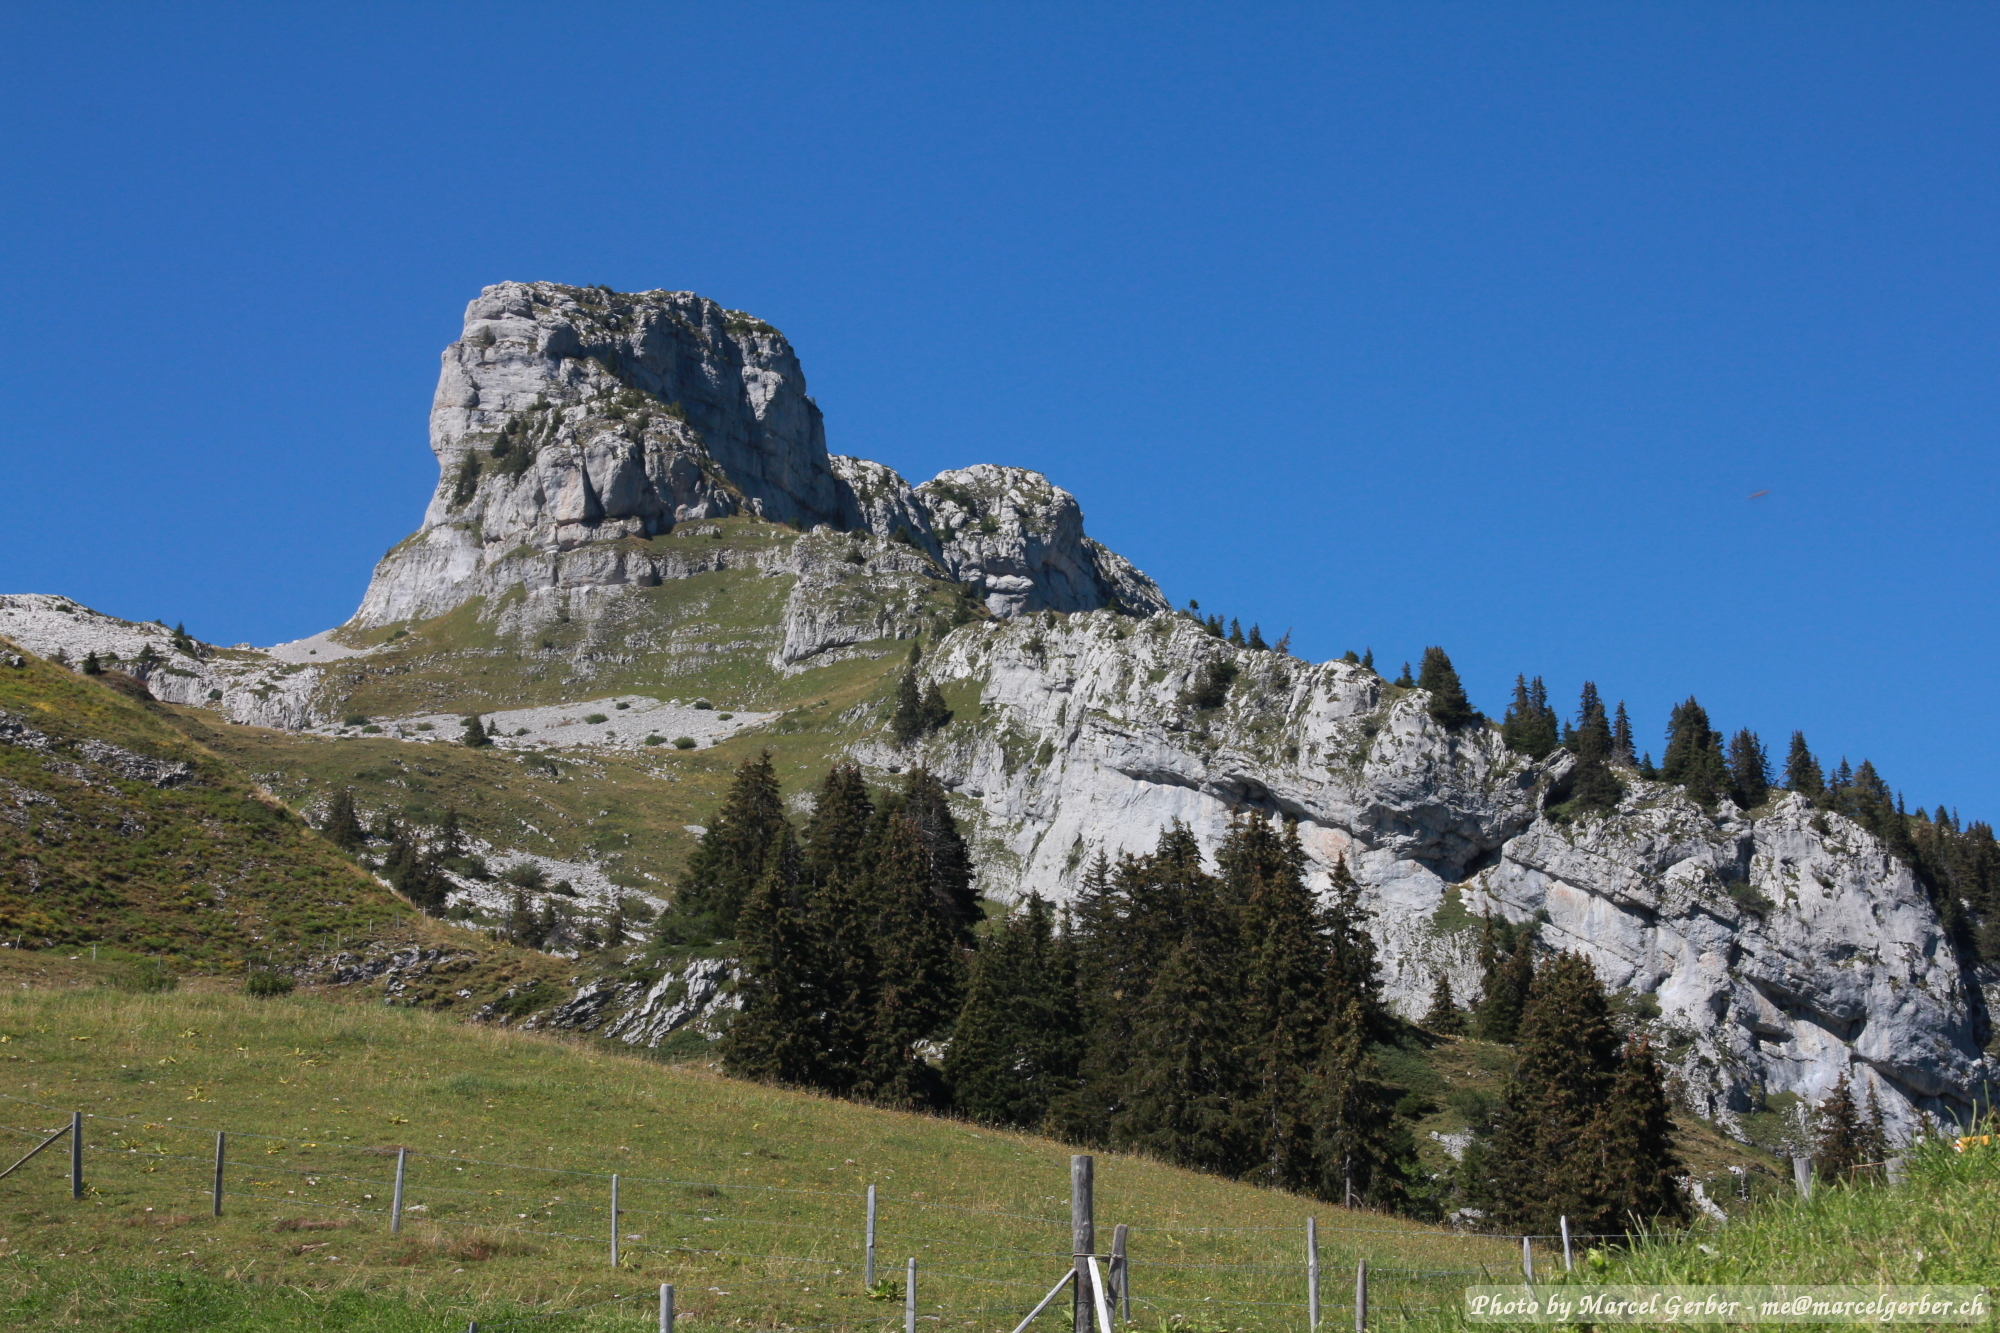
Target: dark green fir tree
{"points": [[918, 982], [729, 861], [342, 827], [1444, 1017], [1802, 771], [475, 733], [1749, 770], [1529, 725], [1448, 704], [1016, 1045]]}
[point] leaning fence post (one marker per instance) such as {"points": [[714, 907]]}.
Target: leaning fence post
{"points": [[1083, 1239], [868, 1280], [396, 1199], [76, 1154], [910, 1299], [1802, 1175], [1569, 1265], [1122, 1283], [1361, 1296], [614, 1219], [218, 1173], [666, 1307], [1527, 1261], [1312, 1272]]}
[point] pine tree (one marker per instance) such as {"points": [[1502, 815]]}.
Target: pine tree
{"points": [[1448, 704], [1182, 1098], [918, 984], [1235, 632], [475, 733], [1016, 1043], [1802, 771], [1444, 1017], [1529, 725], [1367, 654], [1508, 960], [1622, 752], [1562, 1079], [1405, 680], [729, 860], [91, 665], [1694, 755], [836, 835], [1360, 1152], [1749, 770], [933, 712], [342, 827], [1353, 971], [1635, 1170]]}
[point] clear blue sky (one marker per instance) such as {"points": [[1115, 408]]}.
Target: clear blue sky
{"points": [[1394, 324]]}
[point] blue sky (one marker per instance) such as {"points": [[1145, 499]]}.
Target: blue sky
{"points": [[1392, 324]]}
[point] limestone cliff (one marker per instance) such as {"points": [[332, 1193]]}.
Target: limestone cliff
{"points": [[1782, 946], [572, 424]]}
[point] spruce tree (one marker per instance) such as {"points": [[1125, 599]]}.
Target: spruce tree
{"points": [[1622, 752], [1235, 632], [1629, 1150], [1255, 639], [933, 713], [925, 800], [1562, 1079], [342, 827], [1592, 786], [1749, 770], [836, 834], [1802, 771], [1405, 680], [906, 724], [729, 860], [1448, 705], [475, 733], [1183, 1096], [1367, 654], [1353, 971], [1694, 755], [918, 983], [1507, 958], [1529, 725], [1015, 1046], [844, 980], [1839, 1135], [1444, 1017], [1361, 1154], [91, 665], [1285, 993], [771, 1036]]}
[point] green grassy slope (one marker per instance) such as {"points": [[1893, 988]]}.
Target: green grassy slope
{"points": [[748, 1198], [208, 869]]}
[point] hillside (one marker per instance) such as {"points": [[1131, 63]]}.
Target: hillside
{"points": [[748, 1198]]}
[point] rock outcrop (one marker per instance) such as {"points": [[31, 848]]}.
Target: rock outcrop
{"points": [[1782, 947], [572, 424]]}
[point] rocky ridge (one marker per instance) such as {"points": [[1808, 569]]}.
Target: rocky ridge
{"points": [[1782, 946]]}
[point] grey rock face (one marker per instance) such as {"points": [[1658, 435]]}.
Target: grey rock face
{"points": [[1781, 950], [572, 424]]}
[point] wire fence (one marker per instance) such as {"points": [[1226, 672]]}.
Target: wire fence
{"points": [[780, 1257]]}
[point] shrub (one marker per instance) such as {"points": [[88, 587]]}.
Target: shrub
{"points": [[703, 703], [725, 716], [622, 705], [373, 729], [265, 983], [214, 695], [527, 875], [147, 976], [656, 739], [683, 742], [594, 718], [424, 726]]}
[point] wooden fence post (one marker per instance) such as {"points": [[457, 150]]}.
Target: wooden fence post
{"points": [[218, 1173], [869, 1279], [1312, 1273], [1121, 1281], [396, 1199], [1083, 1240], [76, 1154]]}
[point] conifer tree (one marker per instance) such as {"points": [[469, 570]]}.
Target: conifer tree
{"points": [[1235, 632], [918, 984], [1353, 972], [771, 1036], [906, 724], [836, 835], [1360, 1152], [1444, 1017], [1508, 963], [1635, 1170], [521, 929], [1622, 752], [342, 827], [1529, 725], [1448, 704], [925, 800], [934, 713], [1839, 1135], [1367, 654], [475, 733], [1016, 1044], [91, 665], [1405, 680], [1255, 639], [1749, 770], [1802, 771], [1182, 1099], [1592, 786], [1285, 993], [729, 860], [1538, 1156], [1694, 755]]}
